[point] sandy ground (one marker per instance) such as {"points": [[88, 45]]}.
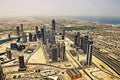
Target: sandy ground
{"points": [[38, 57], [5, 45], [98, 62]]}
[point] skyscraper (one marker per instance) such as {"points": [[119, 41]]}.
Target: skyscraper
{"points": [[53, 30], [48, 45], [85, 43], [89, 52], [53, 24], [63, 35], [24, 37], [78, 39], [18, 31], [21, 27], [43, 31], [54, 53], [30, 37], [53, 39], [34, 37], [38, 34], [81, 45], [75, 39], [9, 36], [58, 49], [22, 66], [2, 76], [9, 54], [36, 28], [63, 48]]}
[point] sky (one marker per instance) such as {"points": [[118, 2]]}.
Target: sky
{"points": [[17, 8]]}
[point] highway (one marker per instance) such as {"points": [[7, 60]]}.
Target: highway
{"points": [[110, 62], [79, 66], [75, 60], [115, 65], [107, 72]]}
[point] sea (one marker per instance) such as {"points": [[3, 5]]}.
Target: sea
{"points": [[104, 20]]}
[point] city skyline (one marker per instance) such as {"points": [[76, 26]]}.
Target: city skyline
{"points": [[17, 8]]}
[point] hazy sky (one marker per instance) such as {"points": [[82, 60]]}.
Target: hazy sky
{"points": [[13, 8]]}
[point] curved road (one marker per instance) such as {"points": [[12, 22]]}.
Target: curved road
{"points": [[32, 53]]}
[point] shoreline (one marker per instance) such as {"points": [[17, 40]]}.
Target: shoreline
{"points": [[99, 20]]}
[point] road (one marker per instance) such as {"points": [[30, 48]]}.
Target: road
{"points": [[32, 53], [80, 67], [45, 52], [40, 64], [75, 59], [110, 62], [115, 65]]}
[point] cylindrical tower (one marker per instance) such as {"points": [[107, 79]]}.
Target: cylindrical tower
{"points": [[18, 31], [30, 37], [22, 66], [9, 54]]}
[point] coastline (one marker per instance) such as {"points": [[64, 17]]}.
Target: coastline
{"points": [[115, 22]]}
